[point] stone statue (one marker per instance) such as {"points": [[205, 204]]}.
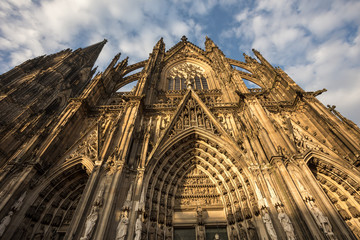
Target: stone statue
{"points": [[201, 233], [90, 222], [269, 226], [138, 227], [252, 231], [199, 215], [121, 229], [286, 224], [5, 222], [321, 220]]}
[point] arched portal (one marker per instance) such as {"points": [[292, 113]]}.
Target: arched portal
{"points": [[342, 188], [49, 216], [195, 184]]}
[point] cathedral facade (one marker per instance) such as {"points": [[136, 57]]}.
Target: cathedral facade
{"points": [[193, 151]]}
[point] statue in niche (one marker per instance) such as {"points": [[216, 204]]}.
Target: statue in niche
{"points": [[268, 224], [200, 120], [192, 112], [252, 231], [5, 222], [207, 123], [121, 229], [322, 220], [186, 120], [199, 215], [90, 222], [287, 225], [138, 227]]}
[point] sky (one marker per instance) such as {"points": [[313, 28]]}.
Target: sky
{"points": [[317, 43]]}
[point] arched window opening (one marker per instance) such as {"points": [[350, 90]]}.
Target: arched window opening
{"points": [[180, 74]]}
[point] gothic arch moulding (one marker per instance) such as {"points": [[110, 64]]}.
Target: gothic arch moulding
{"points": [[193, 169]]}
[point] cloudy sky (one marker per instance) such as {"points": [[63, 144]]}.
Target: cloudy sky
{"points": [[316, 42]]}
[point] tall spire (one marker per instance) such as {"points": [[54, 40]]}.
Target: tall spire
{"points": [[92, 52]]}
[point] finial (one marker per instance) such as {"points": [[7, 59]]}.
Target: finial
{"points": [[184, 38]]}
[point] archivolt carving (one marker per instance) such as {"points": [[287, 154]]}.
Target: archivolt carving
{"points": [[341, 188], [181, 175]]}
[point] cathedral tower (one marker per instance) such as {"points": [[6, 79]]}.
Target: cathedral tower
{"points": [[203, 147]]}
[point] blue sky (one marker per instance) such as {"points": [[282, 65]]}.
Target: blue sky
{"points": [[316, 42]]}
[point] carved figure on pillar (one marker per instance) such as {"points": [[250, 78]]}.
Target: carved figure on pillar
{"points": [[90, 222], [199, 215], [286, 224], [200, 233], [122, 227], [321, 220], [269, 225], [138, 227], [5, 222]]}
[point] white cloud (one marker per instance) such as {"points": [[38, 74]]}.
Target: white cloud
{"points": [[316, 42]]}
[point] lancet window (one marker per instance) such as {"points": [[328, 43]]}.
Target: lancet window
{"points": [[181, 74]]}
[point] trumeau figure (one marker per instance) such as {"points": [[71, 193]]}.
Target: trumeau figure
{"points": [[201, 233]]}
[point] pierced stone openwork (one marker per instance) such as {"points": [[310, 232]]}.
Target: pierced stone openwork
{"points": [[180, 74]]}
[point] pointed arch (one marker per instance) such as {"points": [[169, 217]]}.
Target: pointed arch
{"points": [[205, 79], [341, 185], [54, 202], [199, 149]]}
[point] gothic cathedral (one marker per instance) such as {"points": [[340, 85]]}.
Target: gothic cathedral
{"points": [[202, 147]]}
